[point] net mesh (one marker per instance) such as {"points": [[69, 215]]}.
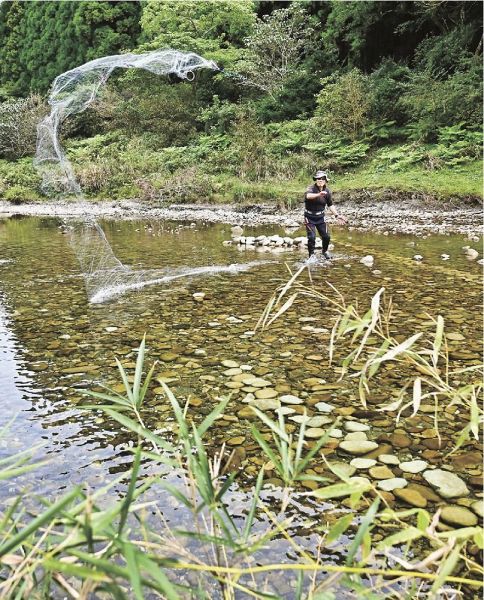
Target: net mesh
{"points": [[72, 93]]}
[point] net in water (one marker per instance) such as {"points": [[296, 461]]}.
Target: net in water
{"points": [[72, 93]]}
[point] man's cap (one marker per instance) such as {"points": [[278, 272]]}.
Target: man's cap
{"points": [[320, 175]]}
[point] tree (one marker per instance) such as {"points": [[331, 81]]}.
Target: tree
{"points": [[275, 49], [213, 28], [40, 40], [344, 103]]}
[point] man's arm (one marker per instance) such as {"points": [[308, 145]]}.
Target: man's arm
{"points": [[335, 213]]}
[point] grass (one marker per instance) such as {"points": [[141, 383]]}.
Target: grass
{"points": [[457, 182]]}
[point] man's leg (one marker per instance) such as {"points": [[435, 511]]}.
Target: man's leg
{"points": [[311, 233], [325, 237]]}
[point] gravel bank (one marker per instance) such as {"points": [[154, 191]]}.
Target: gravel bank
{"points": [[397, 216]]}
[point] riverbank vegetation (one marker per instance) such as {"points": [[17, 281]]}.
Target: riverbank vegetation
{"points": [[385, 96]]}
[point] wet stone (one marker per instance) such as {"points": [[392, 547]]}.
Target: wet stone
{"points": [[448, 485], [363, 463], [400, 440], [458, 516], [354, 426], [290, 399], [381, 472], [411, 496], [388, 485], [358, 446], [389, 459], [413, 466]]}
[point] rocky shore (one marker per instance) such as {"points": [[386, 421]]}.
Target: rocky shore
{"points": [[400, 215]]}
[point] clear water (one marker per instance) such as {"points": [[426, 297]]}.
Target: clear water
{"points": [[55, 343]]}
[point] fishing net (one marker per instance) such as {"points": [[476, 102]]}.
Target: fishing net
{"points": [[72, 93]]}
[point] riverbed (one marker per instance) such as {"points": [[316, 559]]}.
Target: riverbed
{"points": [[200, 330]]}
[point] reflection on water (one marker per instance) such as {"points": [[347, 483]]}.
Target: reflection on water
{"points": [[56, 344]]}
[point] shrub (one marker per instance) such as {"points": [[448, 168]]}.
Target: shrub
{"points": [[343, 104], [17, 194], [18, 126]]}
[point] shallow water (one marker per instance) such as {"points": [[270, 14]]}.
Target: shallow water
{"points": [[55, 344]]}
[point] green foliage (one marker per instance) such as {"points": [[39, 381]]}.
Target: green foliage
{"points": [[18, 126], [40, 40], [274, 49], [213, 28], [343, 104]]}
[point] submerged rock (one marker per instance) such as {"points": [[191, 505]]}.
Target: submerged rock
{"points": [[447, 484], [358, 446], [459, 516]]}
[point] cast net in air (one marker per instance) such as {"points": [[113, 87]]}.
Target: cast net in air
{"points": [[72, 93]]}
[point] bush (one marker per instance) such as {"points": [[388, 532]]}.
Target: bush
{"points": [[343, 104], [18, 126], [17, 194]]}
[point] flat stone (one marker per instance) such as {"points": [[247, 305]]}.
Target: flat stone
{"points": [[356, 435], [354, 426], [358, 446], [265, 403], [478, 508], [388, 485], [447, 484], [324, 407], [425, 491], [266, 393], [459, 516], [236, 441], [336, 433], [389, 459], [258, 382], [411, 496], [400, 440], [285, 410], [233, 371], [467, 460], [413, 466], [319, 421], [381, 472], [363, 463], [343, 468], [314, 432], [290, 399]]}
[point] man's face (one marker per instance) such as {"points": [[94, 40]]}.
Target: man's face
{"points": [[320, 181]]}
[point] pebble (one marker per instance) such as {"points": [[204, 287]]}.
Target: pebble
{"points": [[411, 496], [290, 399], [285, 410], [356, 435], [413, 466], [354, 426], [447, 484], [458, 515], [381, 472], [363, 463], [324, 407], [478, 508], [266, 393], [389, 485], [389, 459], [358, 446], [400, 440], [336, 433], [230, 364], [265, 403], [314, 432]]}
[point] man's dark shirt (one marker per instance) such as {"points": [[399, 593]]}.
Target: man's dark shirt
{"points": [[319, 203]]}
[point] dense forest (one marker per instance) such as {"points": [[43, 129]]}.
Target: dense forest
{"points": [[374, 92]]}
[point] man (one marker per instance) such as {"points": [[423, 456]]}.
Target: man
{"points": [[316, 199]]}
